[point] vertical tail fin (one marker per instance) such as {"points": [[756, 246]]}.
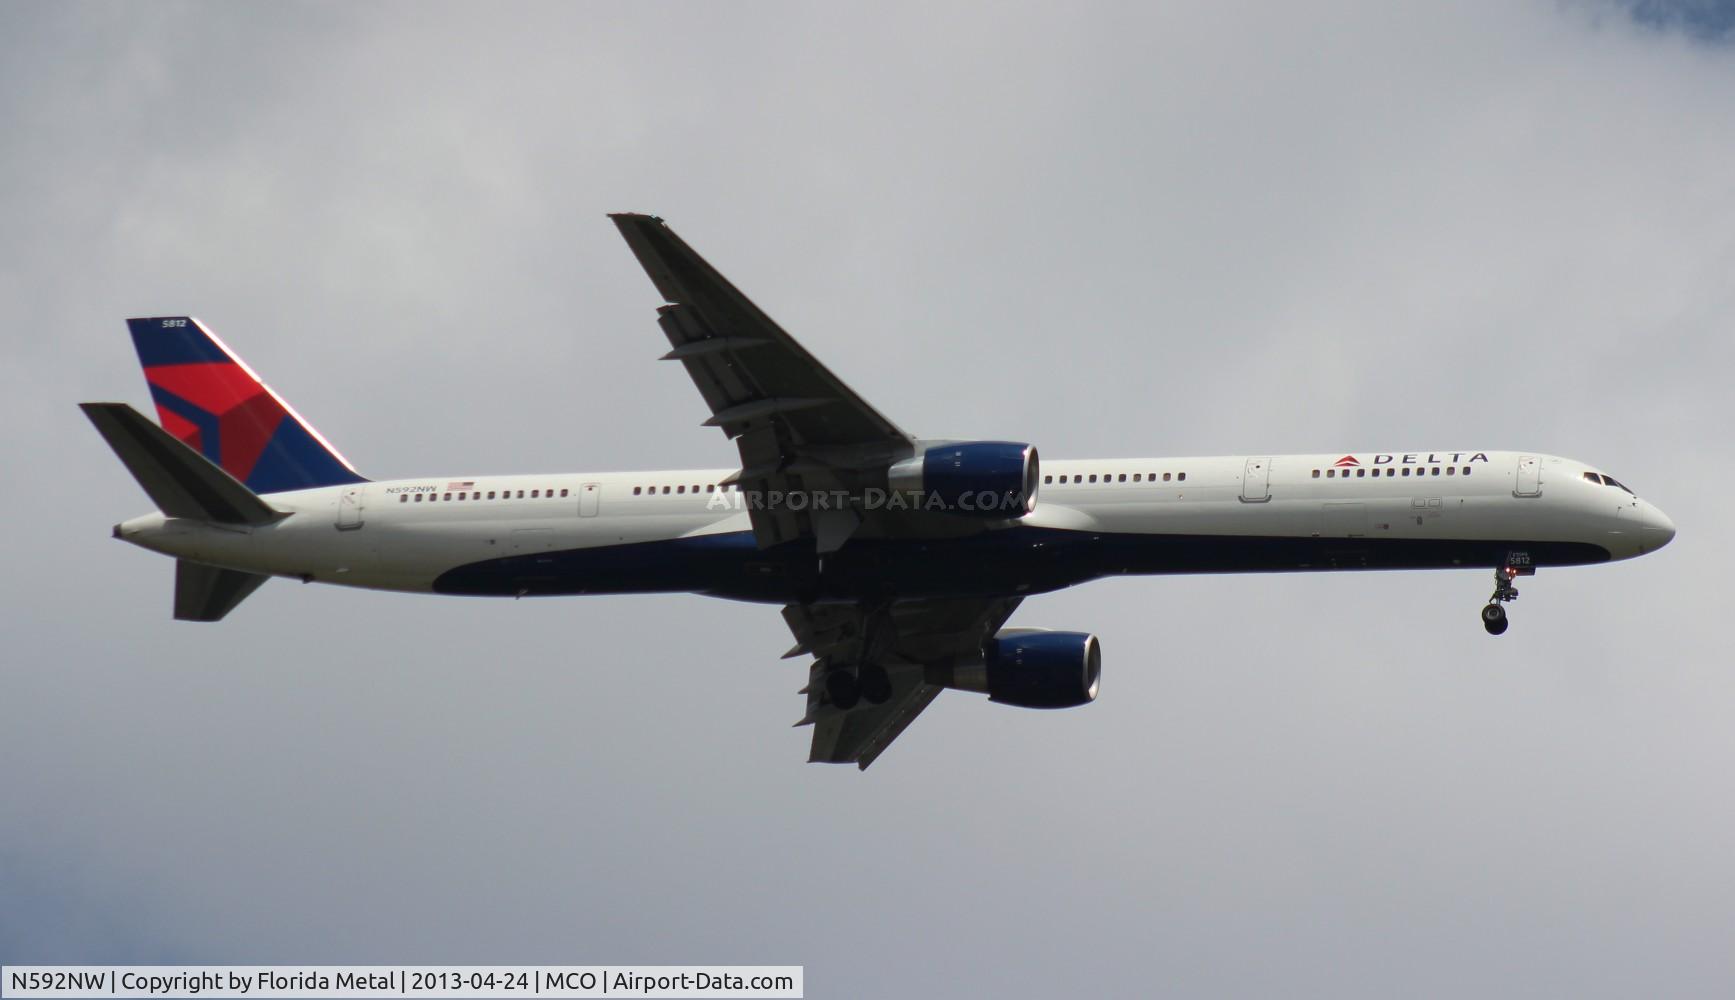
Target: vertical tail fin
{"points": [[209, 399]]}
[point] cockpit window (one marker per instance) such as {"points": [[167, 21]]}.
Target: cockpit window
{"points": [[1597, 477]]}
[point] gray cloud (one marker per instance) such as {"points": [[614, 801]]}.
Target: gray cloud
{"points": [[1706, 20], [1109, 230]]}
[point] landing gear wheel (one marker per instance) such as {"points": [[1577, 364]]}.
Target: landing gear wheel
{"points": [[1494, 613], [842, 689], [874, 683], [1494, 619]]}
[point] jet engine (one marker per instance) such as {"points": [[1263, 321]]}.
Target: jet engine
{"points": [[987, 479], [1030, 668]]}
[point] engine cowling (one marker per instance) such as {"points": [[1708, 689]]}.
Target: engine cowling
{"points": [[986, 479], [1031, 668]]}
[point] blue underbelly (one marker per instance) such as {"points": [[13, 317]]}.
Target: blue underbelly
{"points": [[1011, 562]]}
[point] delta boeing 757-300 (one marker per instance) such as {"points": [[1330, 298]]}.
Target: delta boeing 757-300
{"points": [[897, 559]]}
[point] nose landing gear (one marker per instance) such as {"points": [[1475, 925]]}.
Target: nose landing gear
{"points": [[1494, 612]]}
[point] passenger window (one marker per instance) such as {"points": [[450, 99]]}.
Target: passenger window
{"points": [[1406, 470], [563, 493], [1361, 473], [418, 498], [1182, 477], [1166, 476], [1047, 479], [1436, 470], [1093, 477], [638, 490], [1137, 476], [1466, 470], [1123, 477], [1451, 470], [1316, 473], [680, 489], [667, 490]]}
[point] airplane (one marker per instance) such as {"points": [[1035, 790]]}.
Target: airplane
{"points": [[897, 560]]}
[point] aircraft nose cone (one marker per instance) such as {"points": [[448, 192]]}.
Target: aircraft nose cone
{"points": [[1659, 530]]}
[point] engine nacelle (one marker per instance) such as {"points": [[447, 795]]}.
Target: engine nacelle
{"points": [[1031, 668], [987, 479]]}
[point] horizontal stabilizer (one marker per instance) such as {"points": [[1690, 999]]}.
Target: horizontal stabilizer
{"points": [[180, 480], [207, 593]]}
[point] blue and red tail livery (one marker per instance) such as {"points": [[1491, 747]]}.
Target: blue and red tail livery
{"points": [[209, 399]]}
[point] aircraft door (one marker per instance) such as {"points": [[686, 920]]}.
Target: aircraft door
{"points": [[1256, 481], [1529, 477], [589, 499], [349, 504]]}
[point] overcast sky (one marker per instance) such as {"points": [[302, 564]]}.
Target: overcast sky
{"points": [[1107, 229]]}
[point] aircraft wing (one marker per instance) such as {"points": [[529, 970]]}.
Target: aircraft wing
{"points": [[901, 637], [798, 426]]}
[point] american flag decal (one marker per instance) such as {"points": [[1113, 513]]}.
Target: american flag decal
{"points": [[468, 484]]}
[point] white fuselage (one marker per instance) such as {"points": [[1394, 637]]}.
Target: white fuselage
{"points": [[600, 533]]}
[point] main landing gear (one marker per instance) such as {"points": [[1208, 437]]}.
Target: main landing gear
{"points": [[847, 688], [1494, 612]]}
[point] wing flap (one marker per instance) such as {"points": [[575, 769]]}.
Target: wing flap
{"points": [[860, 735], [902, 638]]}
